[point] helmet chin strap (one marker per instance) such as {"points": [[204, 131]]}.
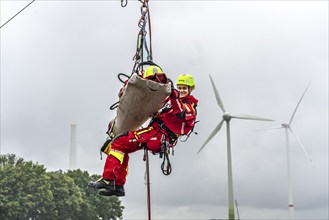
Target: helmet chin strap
{"points": [[189, 90]]}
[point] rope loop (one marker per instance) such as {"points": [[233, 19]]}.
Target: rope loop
{"points": [[120, 75], [115, 105], [166, 165]]}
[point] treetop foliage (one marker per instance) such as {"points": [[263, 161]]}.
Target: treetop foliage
{"points": [[28, 191]]}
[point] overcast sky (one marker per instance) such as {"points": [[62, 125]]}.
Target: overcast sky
{"points": [[59, 65]]}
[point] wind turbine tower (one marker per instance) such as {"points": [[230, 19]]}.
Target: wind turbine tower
{"points": [[227, 118], [73, 147], [288, 129]]}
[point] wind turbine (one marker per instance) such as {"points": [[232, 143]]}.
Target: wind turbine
{"points": [[287, 129], [227, 118]]}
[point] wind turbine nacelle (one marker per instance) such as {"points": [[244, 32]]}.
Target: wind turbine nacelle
{"points": [[285, 125], [226, 116]]}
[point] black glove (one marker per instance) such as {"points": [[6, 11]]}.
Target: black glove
{"points": [[174, 94], [171, 83]]}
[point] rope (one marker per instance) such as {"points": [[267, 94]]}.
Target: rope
{"points": [[122, 74], [142, 38], [141, 43], [17, 13], [146, 159], [115, 105], [150, 36]]}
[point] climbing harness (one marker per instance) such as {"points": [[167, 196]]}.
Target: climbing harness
{"points": [[172, 136], [168, 142]]}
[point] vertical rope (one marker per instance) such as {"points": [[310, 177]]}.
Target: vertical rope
{"points": [[146, 159]]}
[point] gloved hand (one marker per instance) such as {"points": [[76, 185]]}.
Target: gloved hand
{"points": [[174, 94]]}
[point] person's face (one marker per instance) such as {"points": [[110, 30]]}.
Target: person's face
{"points": [[183, 90]]}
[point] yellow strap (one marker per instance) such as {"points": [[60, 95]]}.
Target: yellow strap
{"points": [[143, 131], [117, 154], [107, 149], [137, 133]]}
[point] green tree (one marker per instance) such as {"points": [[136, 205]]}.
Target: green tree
{"points": [[24, 189], [67, 196], [27, 191], [95, 206]]}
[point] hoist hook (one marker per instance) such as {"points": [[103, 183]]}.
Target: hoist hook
{"points": [[124, 3]]}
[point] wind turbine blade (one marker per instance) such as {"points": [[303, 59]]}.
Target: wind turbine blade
{"points": [[250, 117], [219, 101], [266, 129], [214, 132], [301, 145], [293, 114]]}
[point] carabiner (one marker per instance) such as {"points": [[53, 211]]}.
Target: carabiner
{"points": [[124, 3]]}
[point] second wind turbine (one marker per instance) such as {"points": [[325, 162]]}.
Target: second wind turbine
{"points": [[227, 118], [287, 127]]}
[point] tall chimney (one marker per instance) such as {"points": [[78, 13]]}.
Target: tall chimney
{"points": [[73, 147]]}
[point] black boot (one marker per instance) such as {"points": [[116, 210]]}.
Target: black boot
{"points": [[119, 191], [102, 184]]}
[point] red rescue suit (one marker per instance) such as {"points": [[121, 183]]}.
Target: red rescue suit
{"points": [[176, 118]]}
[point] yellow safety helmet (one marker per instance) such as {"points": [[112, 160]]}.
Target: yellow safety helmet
{"points": [[151, 70], [186, 79]]}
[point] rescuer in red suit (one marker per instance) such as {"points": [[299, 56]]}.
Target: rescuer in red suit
{"points": [[176, 118]]}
